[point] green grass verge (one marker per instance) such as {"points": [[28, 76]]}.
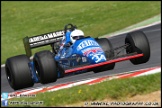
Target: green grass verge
{"points": [[118, 89], [96, 18]]}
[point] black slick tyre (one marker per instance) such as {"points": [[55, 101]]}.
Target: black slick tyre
{"points": [[138, 43], [45, 66], [18, 72]]}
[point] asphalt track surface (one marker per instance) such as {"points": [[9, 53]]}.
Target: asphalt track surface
{"points": [[154, 36]]}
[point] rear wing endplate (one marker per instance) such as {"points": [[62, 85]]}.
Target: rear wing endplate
{"points": [[41, 40]]}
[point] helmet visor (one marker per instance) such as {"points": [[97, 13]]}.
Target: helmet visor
{"points": [[77, 37]]}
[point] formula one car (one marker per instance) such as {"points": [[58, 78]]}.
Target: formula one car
{"points": [[89, 54]]}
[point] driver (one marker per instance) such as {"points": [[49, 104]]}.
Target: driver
{"points": [[69, 39], [72, 36], [76, 34]]}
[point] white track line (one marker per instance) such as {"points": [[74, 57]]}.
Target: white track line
{"points": [[111, 35], [150, 72]]}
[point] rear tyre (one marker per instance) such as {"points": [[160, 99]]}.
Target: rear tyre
{"points": [[55, 47], [140, 44], [18, 72], [46, 67], [109, 52]]}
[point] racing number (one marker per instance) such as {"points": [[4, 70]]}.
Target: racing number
{"points": [[98, 57]]}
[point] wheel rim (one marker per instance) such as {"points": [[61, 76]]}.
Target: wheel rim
{"points": [[37, 69], [8, 74]]}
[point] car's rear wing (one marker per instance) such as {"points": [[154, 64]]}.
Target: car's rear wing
{"points": [[41, 40]]}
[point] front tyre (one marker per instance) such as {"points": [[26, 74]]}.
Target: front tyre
{"points": [[18, 72], [138, 43]]}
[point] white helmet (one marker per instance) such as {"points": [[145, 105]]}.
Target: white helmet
{"points": [[76, 34]]}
